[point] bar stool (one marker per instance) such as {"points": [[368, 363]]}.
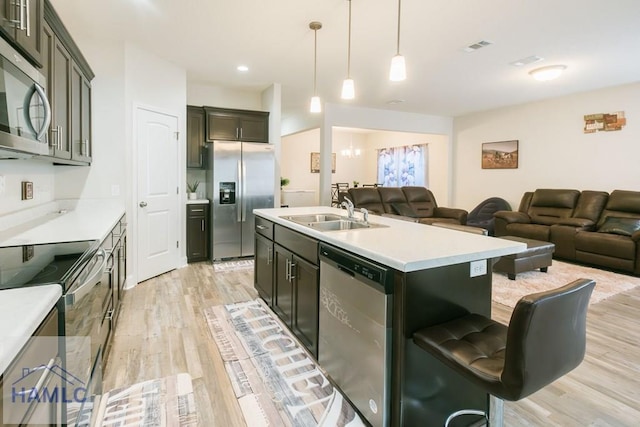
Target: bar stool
{"points": [[545, 339]]}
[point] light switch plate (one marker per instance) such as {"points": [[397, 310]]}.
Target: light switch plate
{"points": [[478, 268]]}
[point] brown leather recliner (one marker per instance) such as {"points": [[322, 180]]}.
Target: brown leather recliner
{"points": [[615, 243], [602, 229], [415, 204]]}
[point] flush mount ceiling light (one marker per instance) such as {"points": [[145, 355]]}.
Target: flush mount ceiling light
{"points": [[348, 87], [550, 72], [242, 68], [398, 71], [315, 105]]}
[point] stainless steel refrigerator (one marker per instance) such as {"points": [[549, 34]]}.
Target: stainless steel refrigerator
{"points": [[240, 178]]}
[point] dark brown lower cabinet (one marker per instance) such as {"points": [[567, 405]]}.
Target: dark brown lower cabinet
{"points": [[296, 288], [263, 264], [197, 232]]}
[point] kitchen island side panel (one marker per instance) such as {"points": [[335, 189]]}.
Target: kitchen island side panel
{"points": [[425, 391]]}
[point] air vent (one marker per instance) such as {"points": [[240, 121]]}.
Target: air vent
{"points": [[525, 61], [477, 45]]}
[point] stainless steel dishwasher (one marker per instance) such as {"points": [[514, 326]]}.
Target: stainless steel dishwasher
{"points": [[355, 330]]}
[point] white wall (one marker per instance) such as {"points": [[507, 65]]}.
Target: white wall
{"points": [[200, 94], [554, 152], [14, 171]]}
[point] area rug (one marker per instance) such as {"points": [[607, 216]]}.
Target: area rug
{"points": [[246, 264], [275, 381], [508, 292], [163, 402]]}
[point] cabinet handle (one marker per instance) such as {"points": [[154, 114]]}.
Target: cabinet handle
{"points": [[269, 256], [21, 24], [28, 20], [240, 133], [202, 224], [197, 210], [291, 267], [287, 272], [237, 133], [54, 137], [59, 137], [261, 227], [83, 147]]}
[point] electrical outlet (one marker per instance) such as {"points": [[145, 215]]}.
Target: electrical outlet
{"points": [[478, 268]]}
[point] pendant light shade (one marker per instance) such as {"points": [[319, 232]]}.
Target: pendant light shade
{"points": [[348, 87], [315, 106], [398, 70]]}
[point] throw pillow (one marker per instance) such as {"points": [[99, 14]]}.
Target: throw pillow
{"points": [[404, 209], [617, 225]]}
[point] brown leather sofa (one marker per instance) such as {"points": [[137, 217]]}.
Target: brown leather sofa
{"points": [[592, 227], [415, 204]]}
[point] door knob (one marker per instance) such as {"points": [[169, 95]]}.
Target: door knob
{"points": [[143, 204]]}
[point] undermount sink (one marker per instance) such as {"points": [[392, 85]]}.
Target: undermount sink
{"points": [[313, 218], [343, 224], [330, 222]]}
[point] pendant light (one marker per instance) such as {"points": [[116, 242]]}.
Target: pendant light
{"points": [[398, 71], [348, 87], [315, 106]]}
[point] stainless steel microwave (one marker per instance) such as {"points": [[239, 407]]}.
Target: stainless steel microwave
{"points": [[25, 113]]}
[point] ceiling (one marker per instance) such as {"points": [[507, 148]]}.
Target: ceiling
{"points": [[598, 42]]}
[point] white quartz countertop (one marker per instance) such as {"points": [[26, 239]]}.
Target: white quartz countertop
{"points": [[198, 201], [90, 219], [404, 246], [21, 312]]}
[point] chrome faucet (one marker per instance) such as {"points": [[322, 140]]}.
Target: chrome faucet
{"points": [[350, 208], [365, 215]]}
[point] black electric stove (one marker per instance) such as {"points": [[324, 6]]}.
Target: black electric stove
{"points": [[51, 263]]}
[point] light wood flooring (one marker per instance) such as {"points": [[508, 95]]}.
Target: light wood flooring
{"points": [[162, 331]]}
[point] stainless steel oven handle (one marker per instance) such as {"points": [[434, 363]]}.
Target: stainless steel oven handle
{"points": [[93, 279], [34, 392]]}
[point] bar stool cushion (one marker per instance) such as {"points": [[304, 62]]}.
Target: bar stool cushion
{"points": [[545, 339]]}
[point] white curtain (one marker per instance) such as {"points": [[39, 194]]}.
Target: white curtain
{"points": [[400, 166]]}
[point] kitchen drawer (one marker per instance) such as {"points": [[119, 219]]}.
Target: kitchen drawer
{"points": [[196, 210], [298, 243], [264, 227], [35, 354]]}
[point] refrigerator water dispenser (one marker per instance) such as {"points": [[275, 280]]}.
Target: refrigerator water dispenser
{"points": [[227, 193]]}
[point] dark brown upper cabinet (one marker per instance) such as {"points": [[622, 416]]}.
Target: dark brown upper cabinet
{"points": [[195, 137], [237, 125], [69, 90], [22, 26]]}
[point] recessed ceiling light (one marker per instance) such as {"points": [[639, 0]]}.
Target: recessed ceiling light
{"points": [[547, 73], [242, 68]]}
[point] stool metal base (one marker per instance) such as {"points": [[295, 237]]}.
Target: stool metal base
{"points": [[496, 413]]}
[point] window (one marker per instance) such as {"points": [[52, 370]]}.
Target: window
{"points": [[400, 166]]}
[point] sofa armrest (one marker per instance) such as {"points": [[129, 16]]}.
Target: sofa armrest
{"points": [[511, 217], [636, 236], [583, 223], [459, 215]]}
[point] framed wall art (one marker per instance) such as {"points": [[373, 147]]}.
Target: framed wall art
{"points": [[500, 155], [315, 162]]}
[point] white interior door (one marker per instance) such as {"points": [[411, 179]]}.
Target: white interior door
{"points": [[157, 148]]}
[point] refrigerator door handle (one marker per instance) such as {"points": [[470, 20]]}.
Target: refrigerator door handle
{"points": [[243, 183], [241, 193]]}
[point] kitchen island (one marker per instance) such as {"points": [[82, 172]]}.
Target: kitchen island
{"points": [[435, 274]]}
